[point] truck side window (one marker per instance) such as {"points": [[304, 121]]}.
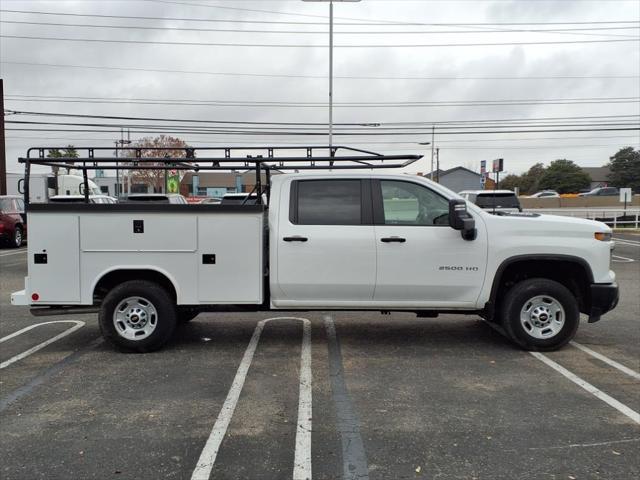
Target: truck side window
{"points": [[406, 203], [329, 202]]}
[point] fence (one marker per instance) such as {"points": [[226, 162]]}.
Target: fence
{"points": [[614, 217]]}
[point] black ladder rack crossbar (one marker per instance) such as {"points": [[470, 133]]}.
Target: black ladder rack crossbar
{"points": [[228, 160]]}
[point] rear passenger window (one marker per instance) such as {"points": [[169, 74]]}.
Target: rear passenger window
{"points": [[328, 202]]}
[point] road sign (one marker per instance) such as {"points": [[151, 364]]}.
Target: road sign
{"points": [[626, 195]]}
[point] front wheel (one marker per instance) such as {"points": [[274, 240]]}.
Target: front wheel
{"points": [[137, 316], [540, 314]]}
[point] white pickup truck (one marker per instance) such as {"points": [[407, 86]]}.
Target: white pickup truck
{"points": [[326, 241]]}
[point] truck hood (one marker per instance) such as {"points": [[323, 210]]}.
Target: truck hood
{"points": [[549, 225]]}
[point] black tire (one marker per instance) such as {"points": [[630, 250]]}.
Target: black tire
{"points": [[524, 332], [162, 314], [186, 314], [18, 237]]}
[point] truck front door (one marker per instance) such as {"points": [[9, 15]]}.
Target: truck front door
{"points": [[421, 260], [324, 250]]}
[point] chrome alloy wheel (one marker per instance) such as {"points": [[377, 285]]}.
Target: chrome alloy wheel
{"points": [[135, 318], [542, 317]]}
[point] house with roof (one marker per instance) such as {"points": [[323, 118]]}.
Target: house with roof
{"points": [[459, 179], [599, 176]]}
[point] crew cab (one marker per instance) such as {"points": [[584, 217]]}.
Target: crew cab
{"points": [[328, 240]]}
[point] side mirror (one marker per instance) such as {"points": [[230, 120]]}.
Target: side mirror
{"points": [[460, 219], [21, 186]]}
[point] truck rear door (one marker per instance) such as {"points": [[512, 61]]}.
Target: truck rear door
{"points": [[324, 248]]}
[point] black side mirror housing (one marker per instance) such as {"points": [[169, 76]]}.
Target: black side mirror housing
{"points": [[460, 219]]}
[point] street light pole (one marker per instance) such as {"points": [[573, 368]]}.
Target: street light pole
{"points": [[330, 78], [331, 67]]}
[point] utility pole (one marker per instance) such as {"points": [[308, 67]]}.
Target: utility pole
{"points": [[3, 157], [438, 164], [433, 141]]}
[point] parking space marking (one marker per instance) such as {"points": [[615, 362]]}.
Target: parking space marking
{"points": [[622, 408], [78, 324], [607, 360], [627, 242], [302, 455], [7, 254], [622, 259], [354, 457], [46, 375]]}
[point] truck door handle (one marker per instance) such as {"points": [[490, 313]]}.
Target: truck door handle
{"points": [[393, 239], [297, 238]]}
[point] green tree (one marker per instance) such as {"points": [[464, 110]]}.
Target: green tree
{"points": [[510, 182], [531, 180], [564, 176], [68, 152], [625, 169], [527, 183]]}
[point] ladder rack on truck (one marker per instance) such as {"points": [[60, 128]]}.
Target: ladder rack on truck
{"points": [[261, 159]]}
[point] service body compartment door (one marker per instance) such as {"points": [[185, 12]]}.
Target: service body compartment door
{"points": [[230, 258], [326, 253], [54, 258]]}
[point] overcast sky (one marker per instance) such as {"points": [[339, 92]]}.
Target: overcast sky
{"points": [[592, 71]]}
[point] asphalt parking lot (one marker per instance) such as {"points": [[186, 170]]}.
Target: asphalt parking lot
{"points": [[322, 395]]}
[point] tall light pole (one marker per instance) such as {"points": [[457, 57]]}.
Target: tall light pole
{"points": [[331, 66]]}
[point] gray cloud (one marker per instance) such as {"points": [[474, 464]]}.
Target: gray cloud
{"points": [[578, 59]]}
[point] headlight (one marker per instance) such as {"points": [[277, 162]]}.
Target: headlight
{"points": [[602, 236]]}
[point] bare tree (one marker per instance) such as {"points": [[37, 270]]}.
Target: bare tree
{"points": [[156, 178]]}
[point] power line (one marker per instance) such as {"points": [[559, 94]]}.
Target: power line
{"points": [[289, 104], [342, 77], [601, 119], [307, 129], [360, 23], [569, 31], [312, 134], [300, 45]]}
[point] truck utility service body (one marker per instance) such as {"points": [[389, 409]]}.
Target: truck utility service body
{"points": [[331, 240]]}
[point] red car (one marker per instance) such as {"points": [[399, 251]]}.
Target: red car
{"points": [[13, 225]]}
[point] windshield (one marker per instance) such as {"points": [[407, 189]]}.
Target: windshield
{"points": [[498, 200], [6, 205]]}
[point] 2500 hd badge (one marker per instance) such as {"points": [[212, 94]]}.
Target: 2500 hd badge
{"points": [[457, 268]]}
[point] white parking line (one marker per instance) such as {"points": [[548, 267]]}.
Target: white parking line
{"points": [[622, 259], [607, 360], [26, 353], [622, 408], [625, 241], [7, 254], [302, 455]]}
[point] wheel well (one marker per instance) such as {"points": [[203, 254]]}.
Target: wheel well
{"points": [[571, 273], [116, 277]]}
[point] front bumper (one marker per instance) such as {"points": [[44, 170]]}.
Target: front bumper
{"points": [[604, 298]]}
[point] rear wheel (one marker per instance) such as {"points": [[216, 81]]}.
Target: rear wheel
{"points": [[138, 316], [16, 241], [540, 314]]}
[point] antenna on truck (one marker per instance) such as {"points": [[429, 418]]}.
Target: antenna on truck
{"points": [[283, 158]]}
